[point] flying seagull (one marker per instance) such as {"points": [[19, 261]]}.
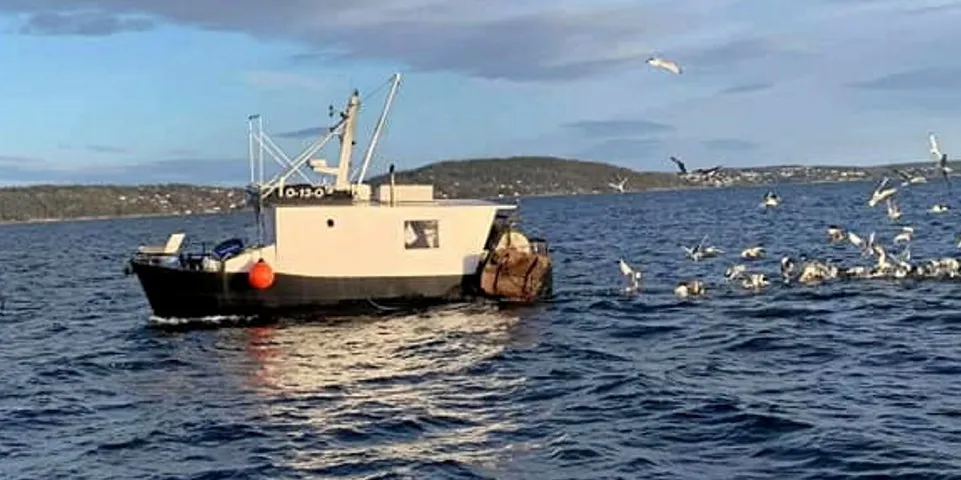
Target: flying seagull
{"points": [[665, 64], [941, 159], [633, 277], [619, 186], [680, 166], [707, 171], [880, 193], [909, 179]]}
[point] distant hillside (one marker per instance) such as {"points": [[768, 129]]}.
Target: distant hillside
{"points": [[473, 178], [75, 201], [525, 176]]}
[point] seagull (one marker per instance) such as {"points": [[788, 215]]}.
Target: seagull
{"points": [[665, 64], [752, 253], [618, 186], [734, 271], [941, 159], [835, 234], [814, 272], [908, 179], [880, 193], [855, 240], [707, 172], [869, 247], [905, 236], [680, 166], [894, 212], [939, 208], [700, 251], [771, 200], [690, 288], [787, 268], [755, 281], [632, 276]]}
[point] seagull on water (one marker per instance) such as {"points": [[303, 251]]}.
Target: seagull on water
{"points": [[664, 64], [752, 253], [939, 208], [788, 267], [692, 288], [701, 251], [734, 271], [835, 234], [771, 200], [755, 281]]}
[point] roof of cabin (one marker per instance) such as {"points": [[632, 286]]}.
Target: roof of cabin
{"points": [[435, 203]]}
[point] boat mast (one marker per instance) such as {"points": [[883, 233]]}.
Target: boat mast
{"points": [[395, 83], [347, 142], [344, 129], [252, 192]]}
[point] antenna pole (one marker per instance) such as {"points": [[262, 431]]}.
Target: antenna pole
{"points": [[260, 141], [391, 184], [250, 145], [380, 125]]}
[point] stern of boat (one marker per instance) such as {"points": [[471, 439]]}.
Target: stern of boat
{"points": [[517, 269]]}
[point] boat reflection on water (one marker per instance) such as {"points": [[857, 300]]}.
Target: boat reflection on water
{"points": [[387, 394]]}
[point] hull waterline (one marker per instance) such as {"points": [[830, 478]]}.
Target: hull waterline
{"points": [[178, 293]]}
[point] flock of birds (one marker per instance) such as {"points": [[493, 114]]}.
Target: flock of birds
{"points": [[807, 271], [619, 185]]}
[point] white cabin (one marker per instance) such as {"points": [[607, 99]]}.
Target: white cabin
{"points": [[375, 239]]}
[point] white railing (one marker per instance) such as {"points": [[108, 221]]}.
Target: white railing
{"points": [[260, 143]]}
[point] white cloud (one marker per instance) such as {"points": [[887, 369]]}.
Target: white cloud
{"points": [[785, 76]]}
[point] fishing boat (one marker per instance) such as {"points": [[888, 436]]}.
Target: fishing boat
{"points": [[332, 245]]}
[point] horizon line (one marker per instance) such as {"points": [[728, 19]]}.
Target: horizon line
{"points": [[889, 164]]}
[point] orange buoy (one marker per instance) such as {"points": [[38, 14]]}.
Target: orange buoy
{"points": [[260, 276]]}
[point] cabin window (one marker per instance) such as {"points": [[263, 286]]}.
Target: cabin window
{"points": [[421, 234]]}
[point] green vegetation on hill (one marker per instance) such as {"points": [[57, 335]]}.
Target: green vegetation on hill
{"points": [[526, 176], [473, 178], [40, 202]]}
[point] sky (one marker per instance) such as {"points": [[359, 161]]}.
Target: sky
{"points": [[149, 91]]}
